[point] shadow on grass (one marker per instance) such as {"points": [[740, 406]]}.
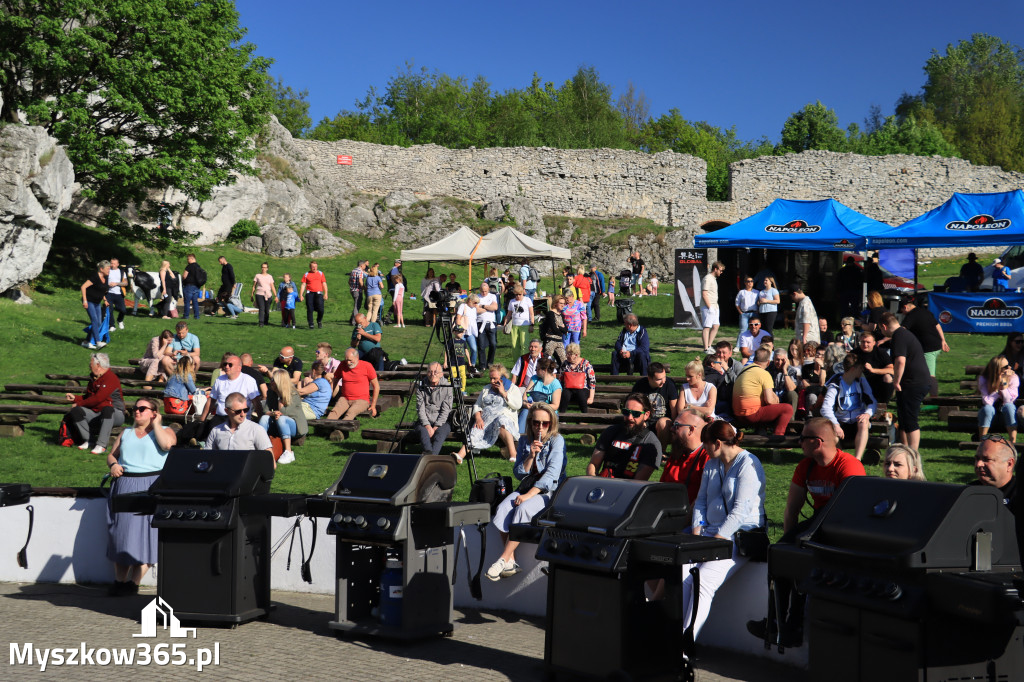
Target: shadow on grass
{"points": [[55, 336]]}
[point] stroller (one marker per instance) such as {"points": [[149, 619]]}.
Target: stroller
{"points": [[625, 282]]}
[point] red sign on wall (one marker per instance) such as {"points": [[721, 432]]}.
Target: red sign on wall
{"points": [[344, 160]]}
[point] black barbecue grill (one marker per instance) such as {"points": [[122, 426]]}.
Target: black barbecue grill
{"points": [[213, 511], [603, 539], [14, 494], [395, 507], [910, 581]]}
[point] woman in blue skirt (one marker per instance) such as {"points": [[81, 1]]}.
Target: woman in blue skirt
{"points": [[135, 462]]}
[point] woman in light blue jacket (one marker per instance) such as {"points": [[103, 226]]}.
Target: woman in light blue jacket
{"points": [[731, 498], [540, 457]]}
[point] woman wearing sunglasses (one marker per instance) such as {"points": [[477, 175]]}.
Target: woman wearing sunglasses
{"points": [[135, 462], [731, 499], [540, 467]]}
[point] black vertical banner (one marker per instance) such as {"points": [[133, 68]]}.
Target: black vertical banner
{"points": [[691, 266]]}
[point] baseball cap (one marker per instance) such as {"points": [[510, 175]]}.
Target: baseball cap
{"points": [[998, 260], [457, 329]]}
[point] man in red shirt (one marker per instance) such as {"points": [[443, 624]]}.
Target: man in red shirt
{"points": [[686, 463], [102, 400], [820, 473], [357, 376], [314, 290]]}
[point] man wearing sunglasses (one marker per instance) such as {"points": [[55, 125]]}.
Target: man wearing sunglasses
{"points": [[993, 464], [819, 476], [686, 462], [238, 432], [232, 380], [287, 361], [629, 449]]}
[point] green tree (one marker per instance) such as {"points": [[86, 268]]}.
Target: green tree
{"points": [[144, 94], [813, 127], [290, 107], [907, 136], [974, 94], [718, 147]]}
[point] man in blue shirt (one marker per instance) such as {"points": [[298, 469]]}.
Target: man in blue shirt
{"points": [[184, 343], [632, 348], [529, 286], [1000, 275], [597, 290]]}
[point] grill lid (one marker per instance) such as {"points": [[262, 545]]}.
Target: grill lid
{"points": [[619, 507], [395, 479], [912, 524], [215, 473]]}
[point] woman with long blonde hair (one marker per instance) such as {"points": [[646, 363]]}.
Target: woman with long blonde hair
{"points": [[284, 416], [180, 386]]}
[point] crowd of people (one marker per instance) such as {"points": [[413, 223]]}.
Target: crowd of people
{"points": [[834, 384]]}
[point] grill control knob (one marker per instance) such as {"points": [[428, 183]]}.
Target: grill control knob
{"points": [[190, 514], [166, 513], [569, 548], [383, 523], [553, 546], [346, 519], [360, 522], [602, 554], [214, 515], [203, 515], [179, 514], [337, 518], [892, 591]]}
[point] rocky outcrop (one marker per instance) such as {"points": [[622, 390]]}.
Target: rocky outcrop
{"points": [[325, 244], [36, 181], [280, 241]]}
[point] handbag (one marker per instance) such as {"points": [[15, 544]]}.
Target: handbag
{"points": [[506, 326], [752, 544], [574, 379], [528, 482], [491, 489], [199, 401]]}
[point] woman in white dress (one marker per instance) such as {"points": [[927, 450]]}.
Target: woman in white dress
{"points": [[495, 414]]}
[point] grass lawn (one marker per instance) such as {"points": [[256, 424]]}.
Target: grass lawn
{"points": [[43, 338]]}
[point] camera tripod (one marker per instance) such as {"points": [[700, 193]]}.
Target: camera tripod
{"points": [[444, 320]]}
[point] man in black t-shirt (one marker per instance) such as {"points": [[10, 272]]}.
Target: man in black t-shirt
{"points": [[636, 264], [926, 328], [227, 278], [910, 378], [878, 369], [628, 450], [664, 396]]}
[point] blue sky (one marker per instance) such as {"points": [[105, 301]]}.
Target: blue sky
{"points": [[743, 63]]}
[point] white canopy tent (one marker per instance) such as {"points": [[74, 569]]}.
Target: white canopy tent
{"points": [[459, 245], [505, 244]]}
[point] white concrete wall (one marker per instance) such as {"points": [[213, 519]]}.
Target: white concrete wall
{"points": [[69, 544]]}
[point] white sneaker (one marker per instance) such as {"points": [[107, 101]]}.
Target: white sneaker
{"points": [[403, 361], [120, 325], [287, 457], [90, 346], [709, 351], [84, 446], [101, 344], [497, 568], [98, 450]]}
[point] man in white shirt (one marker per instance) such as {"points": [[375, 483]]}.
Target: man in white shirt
{"points": [[487, 340], [115, 296], [806, 316], [231, 381], [238, 432], [752, 338], [709, 311]]}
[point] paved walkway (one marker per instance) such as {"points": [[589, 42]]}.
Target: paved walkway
{"points": [[295, 643]]}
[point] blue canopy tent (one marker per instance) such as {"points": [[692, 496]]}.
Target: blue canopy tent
{"points": [[995, 218], [823, 225]]}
